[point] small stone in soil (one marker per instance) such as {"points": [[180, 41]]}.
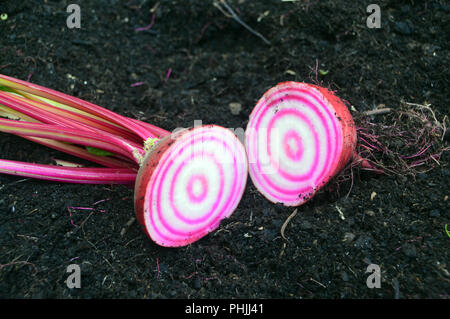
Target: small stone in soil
{"points": [[235, 108], [370, 212], [348, 237]]}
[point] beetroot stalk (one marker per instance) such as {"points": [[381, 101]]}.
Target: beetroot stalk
{"points": [[65, 147], [46, 112], [61, 133], [76, 103], [185, 184], [69, 174]]}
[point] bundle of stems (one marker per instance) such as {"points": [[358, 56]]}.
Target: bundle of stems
{"points": [[76, 127], [185, 182]]}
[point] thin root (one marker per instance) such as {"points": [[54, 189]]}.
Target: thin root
{"points": [[283, 228], [233, 15]]}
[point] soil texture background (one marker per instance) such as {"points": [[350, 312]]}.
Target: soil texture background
{"points": [[190, 65]]}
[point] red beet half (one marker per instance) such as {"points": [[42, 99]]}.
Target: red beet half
{"points": [[298, 137], [188, 182]]}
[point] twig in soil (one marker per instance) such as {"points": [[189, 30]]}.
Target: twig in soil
{"points": [[376, 112], [282, 250], [127, 225], [319, 283], [93, 246], [101, 201], [85, 220], [72, 209], [283, 228], [233, 15], [104, 279], [107, 261], [316, 72], [19, 181], [434, 159], [35, 239], [446, 134], [33, 211], [130, 241], [351, 184], [341, 214], [304, 288]]}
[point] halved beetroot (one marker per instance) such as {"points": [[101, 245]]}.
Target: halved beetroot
{"points": [[298, 137], [188, 183]]}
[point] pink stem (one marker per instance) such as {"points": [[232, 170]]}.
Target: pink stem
{"points": [[51, 118], [147, 27], [69, 174], [79, 104], [104, 141], [81, 153], [366, 164], [418, 154], [373, 146], [154, 129]]}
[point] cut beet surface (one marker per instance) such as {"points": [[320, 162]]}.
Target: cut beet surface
{"points": [[298, 137], [188, 183]]}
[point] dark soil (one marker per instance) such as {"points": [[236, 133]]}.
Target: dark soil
{"points": [[215, 61]]}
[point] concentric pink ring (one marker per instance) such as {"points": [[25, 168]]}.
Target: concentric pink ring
{"points": [[294, 155], [197, 178], [181, 217], [295, 112], [172, 204], [222, 207], [266, 109], [319, 106]]}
